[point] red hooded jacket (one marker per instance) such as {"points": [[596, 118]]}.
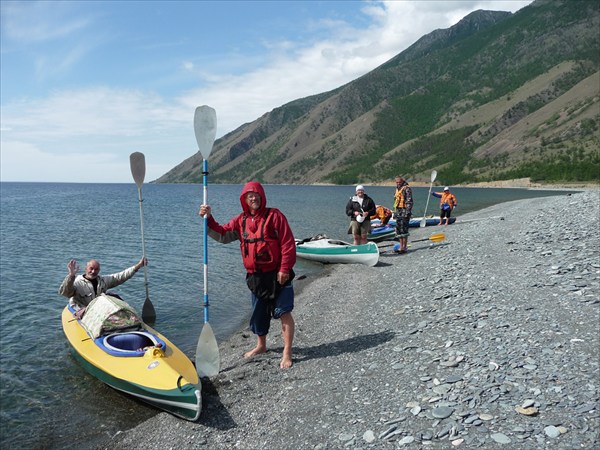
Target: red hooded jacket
{"points": [[266, 239]]}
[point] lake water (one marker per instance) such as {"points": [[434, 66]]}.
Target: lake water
{"points": [[47, 400]]}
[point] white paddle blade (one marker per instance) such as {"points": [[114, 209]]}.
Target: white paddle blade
{"points": [[205, 127], [137, 161], [423, 223], [207, 353]]}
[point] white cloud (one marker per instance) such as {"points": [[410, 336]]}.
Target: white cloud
{"points": [[49, 66], [33, 164], [37, 21], [95, 130], [24, 161], [94, 112]]}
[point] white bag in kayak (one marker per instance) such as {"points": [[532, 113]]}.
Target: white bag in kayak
{"points": [[107, 314]]}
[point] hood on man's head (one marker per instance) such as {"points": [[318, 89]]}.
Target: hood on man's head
{"points": [[253, 186]]}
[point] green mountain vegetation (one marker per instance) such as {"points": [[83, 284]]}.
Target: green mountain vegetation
{"points": [[495, 97]]}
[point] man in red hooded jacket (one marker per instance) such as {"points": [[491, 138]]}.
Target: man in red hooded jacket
{"points": [[269, 254]]}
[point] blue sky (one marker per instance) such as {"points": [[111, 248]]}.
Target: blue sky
{"points": [[84, 84]]}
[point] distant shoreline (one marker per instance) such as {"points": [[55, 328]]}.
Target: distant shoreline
{"points": [[520, 183], [517, 183]]}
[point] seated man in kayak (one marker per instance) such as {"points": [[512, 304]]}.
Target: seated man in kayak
{"points": [[82, 289], [383, 214]]}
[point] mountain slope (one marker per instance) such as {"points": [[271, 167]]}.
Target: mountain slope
{"points": [[496, 96]]}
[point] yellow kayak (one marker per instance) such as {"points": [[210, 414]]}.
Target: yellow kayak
{"points": [[140, 362]]}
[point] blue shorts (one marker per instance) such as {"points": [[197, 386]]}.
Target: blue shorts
{"points": [[261, 310]]}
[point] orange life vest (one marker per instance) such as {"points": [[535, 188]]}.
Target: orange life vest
{"points": [[399, 198], [448, 198]]}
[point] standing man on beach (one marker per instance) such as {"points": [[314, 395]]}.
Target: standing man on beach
{"points": [[269, 254], [403, 203], [360, 208], [447, 204]]}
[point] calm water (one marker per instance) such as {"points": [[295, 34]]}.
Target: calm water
{"points": [[47, 400]]}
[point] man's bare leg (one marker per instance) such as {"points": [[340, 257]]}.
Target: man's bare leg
{"points": [[403, 244], [261, 347], [287, 329]]}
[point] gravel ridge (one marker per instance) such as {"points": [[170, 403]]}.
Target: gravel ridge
{"points": [[488, 340]]}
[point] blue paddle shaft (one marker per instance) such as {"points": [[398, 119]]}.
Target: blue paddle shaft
{"points": [[205, 238]]}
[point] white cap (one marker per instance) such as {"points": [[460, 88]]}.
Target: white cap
{"points": [[360, 219], [360, 187], [446, 188]]}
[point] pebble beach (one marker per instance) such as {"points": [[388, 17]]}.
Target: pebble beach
{"points": [[489, 339]]}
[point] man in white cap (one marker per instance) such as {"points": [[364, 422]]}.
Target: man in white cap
{"points": [[447, 204], [360, 208]]}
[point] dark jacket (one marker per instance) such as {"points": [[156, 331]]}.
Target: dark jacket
{"points": [[368, 206]]}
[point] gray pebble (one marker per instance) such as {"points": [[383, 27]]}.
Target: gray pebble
{"points": [[552, 432], [441, 412], [406, 440], [500, 438]]}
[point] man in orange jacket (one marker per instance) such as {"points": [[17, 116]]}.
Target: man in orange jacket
{"points": [[447, 204]]}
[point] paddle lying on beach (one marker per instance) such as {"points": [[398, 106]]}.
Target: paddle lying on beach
{"points": [[423, 223], [438, 237], [137, 162], [207, 350]]}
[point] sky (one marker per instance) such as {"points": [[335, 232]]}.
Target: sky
{"points": [[86, 83]]}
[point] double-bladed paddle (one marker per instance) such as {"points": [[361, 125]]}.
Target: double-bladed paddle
{"points": [[423, 223], [137, 162], [207, 350], [438, 237]]}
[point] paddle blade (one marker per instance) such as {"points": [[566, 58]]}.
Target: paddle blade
{"points": [[439, 237], [423, 223], [207, 353], [137, 161], [205, 128], [148, 313]]}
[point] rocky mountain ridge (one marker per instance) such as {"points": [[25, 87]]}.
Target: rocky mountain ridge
{"points": [[496, 96]]}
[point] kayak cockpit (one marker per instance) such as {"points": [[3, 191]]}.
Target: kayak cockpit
{"points": [[132, 343], [117, 329]]}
